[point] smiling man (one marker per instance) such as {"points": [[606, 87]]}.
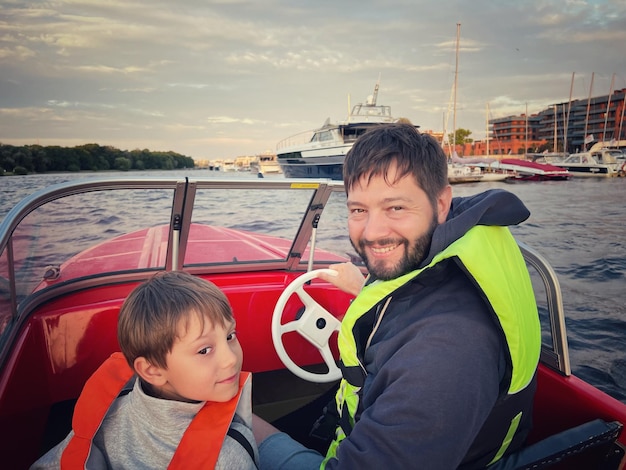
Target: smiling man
{"points": [[439, 349], [392, 233]]}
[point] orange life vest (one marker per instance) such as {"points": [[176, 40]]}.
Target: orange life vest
{"points": [[104, 386]]}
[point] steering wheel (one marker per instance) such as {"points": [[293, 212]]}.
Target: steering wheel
{"points": [[316, 325]]}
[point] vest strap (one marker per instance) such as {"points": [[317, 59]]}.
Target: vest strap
{"points": [[203, 439], [241, 439], [99, 392], [355, 375], [344, 420]]}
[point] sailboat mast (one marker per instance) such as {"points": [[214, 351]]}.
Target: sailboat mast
{"points": [[526, 133], [554, 147], [587, 116], [621, 121], [608, 108], [487, 131], [569, 107], [456, 82]]}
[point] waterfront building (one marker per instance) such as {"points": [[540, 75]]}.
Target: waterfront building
{"points": [[563, 127]]}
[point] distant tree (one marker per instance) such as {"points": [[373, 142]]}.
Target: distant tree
{"points": [[87, 157], [462, 137], [549, 147], [122, 164], [57, 157], [41, 161], [23, 160]]}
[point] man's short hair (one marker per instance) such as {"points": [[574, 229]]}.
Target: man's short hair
{"points": [[416, 154]]}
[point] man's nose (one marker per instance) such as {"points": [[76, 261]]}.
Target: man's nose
{"points": [[376, 226]]}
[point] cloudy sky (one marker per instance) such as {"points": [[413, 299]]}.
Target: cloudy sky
{"points": [[218, 79]]}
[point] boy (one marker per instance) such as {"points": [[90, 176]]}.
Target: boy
{"points": [[183, 402]]}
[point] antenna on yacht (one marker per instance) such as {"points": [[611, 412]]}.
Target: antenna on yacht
{"points": [[372, 99]]}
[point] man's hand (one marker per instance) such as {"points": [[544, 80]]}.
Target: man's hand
{"points": [[349, 278]]}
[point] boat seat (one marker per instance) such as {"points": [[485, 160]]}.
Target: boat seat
{"points": [[588, 446]]}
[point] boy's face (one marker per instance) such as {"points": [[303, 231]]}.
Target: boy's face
{"points": [[204, 363]]}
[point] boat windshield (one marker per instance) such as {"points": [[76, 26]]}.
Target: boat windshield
{"points": [[72, 233], [92, 233]]}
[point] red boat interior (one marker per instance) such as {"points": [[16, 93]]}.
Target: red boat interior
{"points": [[68, 329]]}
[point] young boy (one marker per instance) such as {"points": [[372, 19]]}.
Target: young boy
{"points": [[183, 402]]}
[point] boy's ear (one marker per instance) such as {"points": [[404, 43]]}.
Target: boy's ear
{"points": [[149, 372]]}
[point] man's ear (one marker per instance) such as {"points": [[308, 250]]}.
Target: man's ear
{"points": [[149, 372], [444, 201]]}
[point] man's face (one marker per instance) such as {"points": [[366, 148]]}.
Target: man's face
{"points": [[391, 225]]}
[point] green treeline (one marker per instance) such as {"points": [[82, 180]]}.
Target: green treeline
{"points": [[89, 157]]}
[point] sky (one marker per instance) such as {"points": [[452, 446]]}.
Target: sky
{"points": [[221, 79]]}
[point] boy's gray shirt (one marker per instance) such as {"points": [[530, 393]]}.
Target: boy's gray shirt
{"points": [[143, 432]]}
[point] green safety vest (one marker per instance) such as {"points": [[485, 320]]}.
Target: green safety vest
{"points": [[492, 257]]}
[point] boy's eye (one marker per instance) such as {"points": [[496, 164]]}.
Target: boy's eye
{"points": [[232, 336], [204, 351]]}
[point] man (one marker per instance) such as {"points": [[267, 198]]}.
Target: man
{"points": [[439, 349]]}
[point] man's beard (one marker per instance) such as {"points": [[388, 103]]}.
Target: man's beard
{"points": [[414, 254]]}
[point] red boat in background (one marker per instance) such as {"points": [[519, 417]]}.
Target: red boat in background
{"points": [[71, 253], [534, 171]]}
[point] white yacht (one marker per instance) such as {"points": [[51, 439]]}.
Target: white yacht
{"points": [[597, 163], [320, 153], [266, 163]]}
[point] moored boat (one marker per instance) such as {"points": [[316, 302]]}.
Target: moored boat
{"points": [[320, 153], [598, 163], [533, 171], [61, 290], [488, 168], [459, 173], [266, 164]]}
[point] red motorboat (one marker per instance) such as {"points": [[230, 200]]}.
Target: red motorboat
{"points": [[533, 171], [71, 253]]}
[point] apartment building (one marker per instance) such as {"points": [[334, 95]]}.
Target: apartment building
{"points": [[560, 127]]}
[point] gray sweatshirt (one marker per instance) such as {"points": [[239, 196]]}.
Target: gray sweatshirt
{"points": [[143, 432]]}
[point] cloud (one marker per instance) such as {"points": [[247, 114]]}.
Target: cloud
{"points": [[253, 73], [231, 120]]}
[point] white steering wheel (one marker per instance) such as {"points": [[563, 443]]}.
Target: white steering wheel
{"points": [[315, 324]]}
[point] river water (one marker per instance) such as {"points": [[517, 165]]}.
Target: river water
{"points": [[579, 226]]}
